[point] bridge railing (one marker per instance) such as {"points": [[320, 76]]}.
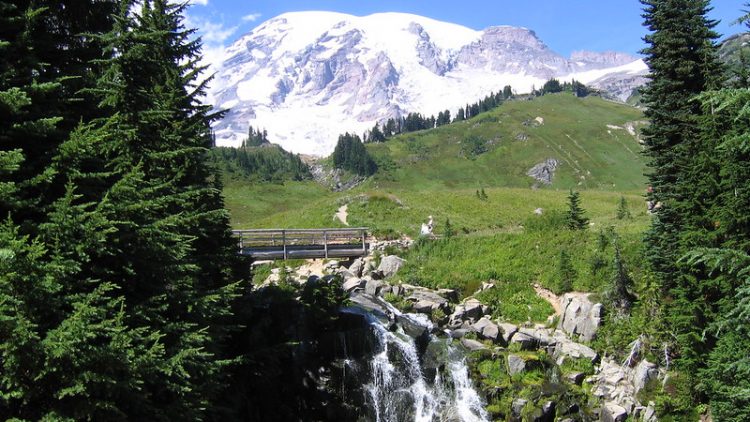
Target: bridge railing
{"points": [[302, 243]]}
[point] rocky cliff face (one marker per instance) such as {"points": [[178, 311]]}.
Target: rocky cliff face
{"points": [[308, 76]]}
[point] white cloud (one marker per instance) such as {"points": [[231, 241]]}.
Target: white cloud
{"points": [[251, 17], [200, 2], [210, 32]]}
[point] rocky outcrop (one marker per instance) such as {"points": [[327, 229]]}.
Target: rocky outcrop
{"points": [[612, 412], [389, 265], [545, 171], [618, 385], [580, 317]]}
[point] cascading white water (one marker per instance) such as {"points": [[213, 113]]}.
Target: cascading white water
{"points": [[400, 391]]}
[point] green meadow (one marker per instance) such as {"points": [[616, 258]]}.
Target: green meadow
{"points": [[499, 238]]}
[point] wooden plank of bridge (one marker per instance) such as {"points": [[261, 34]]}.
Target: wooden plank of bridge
{"points": [[302, 243]]}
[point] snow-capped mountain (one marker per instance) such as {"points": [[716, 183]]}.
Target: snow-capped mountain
{"points": [[307, 77]]}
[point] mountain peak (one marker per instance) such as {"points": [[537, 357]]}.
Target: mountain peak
{"points": [[309, 76]]}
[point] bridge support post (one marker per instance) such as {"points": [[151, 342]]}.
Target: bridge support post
{"points": [[283, 240], [364, 248], [325, 243]]}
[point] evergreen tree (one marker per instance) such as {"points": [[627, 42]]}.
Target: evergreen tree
{"points": [[351, 154], [622, 209], [507, 92], [47, 60], [460, 115], [683, 168], [146, 166], [552, 86], [575, 220], [620, 293]]}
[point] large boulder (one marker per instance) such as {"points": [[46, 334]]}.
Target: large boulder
{"points": [[353, 283], [642, 374], [357, 266], [347, 275], [526, 341], [516, 364], [424, 307], [426, 297], [472, 309], [575, 351], [373, 287], [508, 331], [390, 265], [472, 345], [487, 329], [612, 412], [516, 408], [580, 316]]}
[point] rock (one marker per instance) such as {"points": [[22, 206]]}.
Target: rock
{"points": [[643, 373], [548, 412], [397, 290], [575, 377], [423, 307], [487, 329], [575, 351], [357, 266], [353, 283], [472, 309], [373, 287], [376, 275], [459, 333], [516, 408], [427, 295], [486, 285], [472, 345], [612, 412], [543, 336], [347, 275], [390, 265], [508, 331], [516, 364], [580, 316], [486, 310], [649, 414], [526, 341], [450, 294], [331, 265], [539, 211], [544, 171], [371, 304], [412, 328]]}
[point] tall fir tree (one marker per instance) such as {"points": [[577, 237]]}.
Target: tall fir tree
{"points": [[683, 170], [574, 218], [170, 254]]}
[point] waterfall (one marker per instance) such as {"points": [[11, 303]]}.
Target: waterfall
{"points": [[400, 389]]}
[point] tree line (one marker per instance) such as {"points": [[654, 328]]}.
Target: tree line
{"points": [[268, 163], [413, 122]]}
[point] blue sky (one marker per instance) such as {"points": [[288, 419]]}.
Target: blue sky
{"points": [[564, 25]]}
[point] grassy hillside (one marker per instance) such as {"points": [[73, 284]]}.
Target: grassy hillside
{"points": [[586, 135]]}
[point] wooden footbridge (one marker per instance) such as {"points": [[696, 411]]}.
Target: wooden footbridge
{"points": [[275, 244]]}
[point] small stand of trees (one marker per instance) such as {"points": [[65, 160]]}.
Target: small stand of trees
{"points": [[350, 154]]}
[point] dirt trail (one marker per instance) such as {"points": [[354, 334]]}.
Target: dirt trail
{"points": [[342, 214], [550, 297]]}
